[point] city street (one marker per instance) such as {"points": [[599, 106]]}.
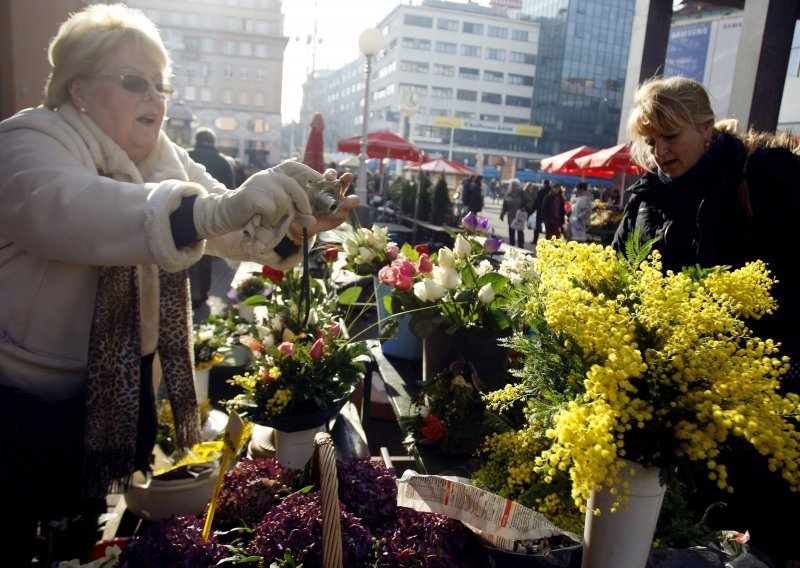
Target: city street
{"points": [[491, 210]]}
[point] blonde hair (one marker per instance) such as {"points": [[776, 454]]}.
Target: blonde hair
{"points": [[663, 105], [88, 36]]}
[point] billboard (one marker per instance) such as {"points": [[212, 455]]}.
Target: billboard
{"points": [[687, 51]]}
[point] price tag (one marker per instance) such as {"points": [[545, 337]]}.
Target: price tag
{"points": [[232, 438]]}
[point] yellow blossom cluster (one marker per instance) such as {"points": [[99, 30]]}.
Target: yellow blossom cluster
{"points": [[670, 369]]}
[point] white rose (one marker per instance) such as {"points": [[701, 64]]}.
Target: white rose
{"points": [[486, 294], [365, 255], [446, 277], [428, 291], [446, 259]]}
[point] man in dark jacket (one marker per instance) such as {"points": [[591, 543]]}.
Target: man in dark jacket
{"points": [[218, 167], [537, 206]]}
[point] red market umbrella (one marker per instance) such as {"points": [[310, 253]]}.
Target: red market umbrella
{"points": [[440, 165], [564, 163], [383, 144], [609, 161], [314, 156]]}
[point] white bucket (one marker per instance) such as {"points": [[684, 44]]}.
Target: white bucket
{"points": [[294, 449]]}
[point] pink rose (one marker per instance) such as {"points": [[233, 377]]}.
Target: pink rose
{"points": [[399, 274], [392, 250], [287, 348]]}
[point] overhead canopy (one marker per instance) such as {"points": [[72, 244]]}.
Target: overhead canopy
{"points": [[613, 160], [564, 163], [441, 165], [382, 144]]}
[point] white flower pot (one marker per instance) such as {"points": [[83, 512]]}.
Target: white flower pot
{"points": [[201, 384], [623, 538], [247, 313], [154, 499], [294, 449]]}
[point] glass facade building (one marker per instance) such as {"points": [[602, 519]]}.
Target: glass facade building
{"points": [[580, 74]]}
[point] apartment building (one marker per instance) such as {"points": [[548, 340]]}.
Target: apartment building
{"points": [[227, 72]]}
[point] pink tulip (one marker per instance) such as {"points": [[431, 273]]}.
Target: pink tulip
{"points": [[316, 350], [392, 250], [424, 265], [287, 348], [335, 330]]}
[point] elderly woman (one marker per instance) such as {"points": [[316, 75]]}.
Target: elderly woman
{"points": [[101, 217], [515, 200], [714, 197]]}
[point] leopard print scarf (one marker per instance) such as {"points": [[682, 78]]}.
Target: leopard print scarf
{"points": [[115, 357]]}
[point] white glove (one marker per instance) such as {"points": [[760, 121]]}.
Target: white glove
{"points": [[264, 199]]}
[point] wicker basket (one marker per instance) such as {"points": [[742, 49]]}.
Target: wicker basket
{"points": [[324, 474]]}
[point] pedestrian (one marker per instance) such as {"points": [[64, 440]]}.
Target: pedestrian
{"points": [[553, 211], [716, 197], [514, 202], [580, 214], [218, 167], [541, 193], [475, 196], [101, 216]]}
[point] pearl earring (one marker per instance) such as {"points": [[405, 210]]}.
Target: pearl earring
{"points": [[707, 144], [83, 110]]}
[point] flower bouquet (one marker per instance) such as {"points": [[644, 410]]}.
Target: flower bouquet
{"points": [[305, 366], [451, 413], [628, 369]]}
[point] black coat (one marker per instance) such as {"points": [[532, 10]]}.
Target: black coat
{"points": [[216, 165]]}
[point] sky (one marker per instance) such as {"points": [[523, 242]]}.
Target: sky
{"points": [[339, 23]]}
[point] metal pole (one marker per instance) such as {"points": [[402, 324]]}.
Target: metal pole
{"points": [[361, 184]]}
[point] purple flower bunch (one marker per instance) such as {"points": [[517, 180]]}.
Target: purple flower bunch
{"points": [[368, 490], [295, 526], [250, 489], [428, 540], [473, 225], [176, 542]]}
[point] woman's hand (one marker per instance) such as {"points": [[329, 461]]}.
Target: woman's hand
{"points": [[328, 221]]}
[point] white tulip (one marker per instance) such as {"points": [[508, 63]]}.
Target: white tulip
{"points": [[428, 291], [446, 277], [462, 248], [446, 259], [486, 294]]}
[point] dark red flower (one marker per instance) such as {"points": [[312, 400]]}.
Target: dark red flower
{"points": [[434, 429], [331, 252], [422, 248], [274, 275]]}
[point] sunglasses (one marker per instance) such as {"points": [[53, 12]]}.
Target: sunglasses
{"points": [[137, 84]]}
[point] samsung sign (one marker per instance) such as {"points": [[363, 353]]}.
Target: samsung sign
{"points": [[687, 51]]}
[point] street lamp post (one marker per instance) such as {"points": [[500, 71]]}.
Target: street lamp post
{"points": [[370, 42]]}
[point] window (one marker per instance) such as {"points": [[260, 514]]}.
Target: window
{"points": [[447, 25], [190, 93], [227, 96], [227, 71], [464, 114], [421, 21], [417, 43], [441, 92], [244, 97], [493, 76], [471, 50], [260, 74], [492, 98], [244, 73], [468, 73], [445, 47], [444, 70], [496, 54], [207, 45], [465, 95], [205, 94], [517, 57], [259, 99], [228, 47], [489, 117], [519, 35], [518, 101], [495, 31], [262, 50], [520, 80], [440, 112], [415, 66], [470, 28], [245, 49]]}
